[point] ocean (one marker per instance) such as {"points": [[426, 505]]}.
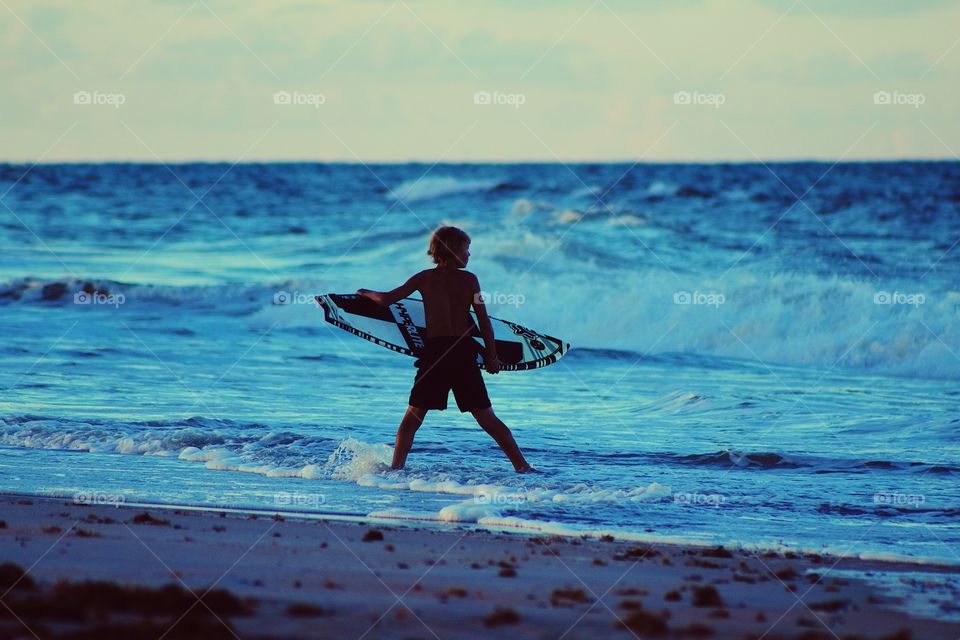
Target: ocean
{"points": [[764, 356]]}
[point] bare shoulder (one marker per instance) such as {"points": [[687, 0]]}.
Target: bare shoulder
{"points": [[471, 277]]}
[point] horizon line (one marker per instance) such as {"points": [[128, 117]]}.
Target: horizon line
{"points": [[562, 161]]}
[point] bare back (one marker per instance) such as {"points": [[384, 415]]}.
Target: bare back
{"points": [[447, 296]]}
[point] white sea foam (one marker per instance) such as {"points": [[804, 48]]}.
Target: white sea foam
{"points": [[784, 318], [438, 186], [661, 188], [803, 319], [568, 216], [506, 505]]}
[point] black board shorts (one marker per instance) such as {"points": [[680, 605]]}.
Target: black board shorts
{"points": [[449, 362]]}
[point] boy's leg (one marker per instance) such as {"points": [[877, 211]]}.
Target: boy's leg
{"points": [[490, 423], [412, 420]]}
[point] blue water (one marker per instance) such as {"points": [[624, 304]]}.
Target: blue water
{"points": [[808, 398]]}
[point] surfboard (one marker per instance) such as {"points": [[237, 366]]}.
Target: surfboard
{"points": [[401, 327]]}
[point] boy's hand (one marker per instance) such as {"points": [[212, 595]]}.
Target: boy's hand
{"points": [[493, 366], [375, 296]]}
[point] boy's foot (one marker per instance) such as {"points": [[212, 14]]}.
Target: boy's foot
{"points": [[527, 469]]}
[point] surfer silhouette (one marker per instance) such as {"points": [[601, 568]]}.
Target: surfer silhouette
{"points": [[448, 360]]}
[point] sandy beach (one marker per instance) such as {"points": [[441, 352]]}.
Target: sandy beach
{"points": [[460, 320], [80, 571]]}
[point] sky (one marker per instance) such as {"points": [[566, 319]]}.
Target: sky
{"points": [[501, 81]]}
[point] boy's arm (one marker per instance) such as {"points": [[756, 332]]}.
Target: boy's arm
{"points": [[385, 298], [486, 329]]}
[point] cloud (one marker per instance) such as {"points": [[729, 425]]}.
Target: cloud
{"points": [[399, 78], [861, 9]]}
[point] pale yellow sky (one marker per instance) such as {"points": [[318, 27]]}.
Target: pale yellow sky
{"points": [[479, 81]]}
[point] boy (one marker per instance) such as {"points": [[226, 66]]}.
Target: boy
{"points": [[448, 360]]}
